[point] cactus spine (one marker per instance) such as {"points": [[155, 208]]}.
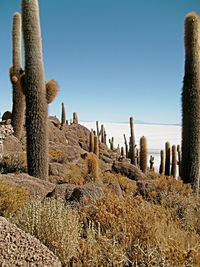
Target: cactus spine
{"points": [[190, 168], [167, 159], [36, 103], [63, 114], [162, 162], [174, 161], [143, 154], [18, 97], [132, 142]]}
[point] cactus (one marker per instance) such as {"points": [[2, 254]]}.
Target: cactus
{"points": [[132, 142], [126, 145], [51, 90], [75, 118], [96, 145], [162, 162], [93, 166], [151, 161], [167, 159], [91, 148], [18, 98], [111, 141], [97, 125], [174, 161], [122, 152], [190, 168], [36, 104], [143, 154], [179, 159], [63, 115]]}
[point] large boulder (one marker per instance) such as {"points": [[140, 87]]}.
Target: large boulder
{"points": [[18, 248], [37, 188], [12, 145]]}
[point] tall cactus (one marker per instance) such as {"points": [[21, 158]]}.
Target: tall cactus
{"points": [[162, 163], [18, 98], [143, 154], [96, 145], [167, 159], [36, 104], [174, 162], [91, 148], [179, 159], [190, 171], [63, 114], [132, 142]]}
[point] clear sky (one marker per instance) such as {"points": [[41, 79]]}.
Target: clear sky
{"points": [[112, 58]]}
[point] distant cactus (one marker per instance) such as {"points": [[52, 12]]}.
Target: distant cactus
{"points": [[63, 115], [151, 161], [96, 145], [174, 162], [97, 125], [36, 104], [122, 152], [143, 154], [167, 159], [51, 90], [91, 149], [190, 168], [75, 118], [179, 159], [93, 166], [162, 162], [132, 142], [111, 141], [126, 145], [18, 98]]}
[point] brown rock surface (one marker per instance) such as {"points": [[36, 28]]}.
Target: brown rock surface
{"points": [[12, 145], [36, 187], [18, 248]]}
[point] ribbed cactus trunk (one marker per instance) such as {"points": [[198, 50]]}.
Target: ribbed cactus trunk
{"points": [[132, 142], [162, 162], [167, 158], [96, 145], [179, 159], [190, 169], [174, 162], [63, 114], [18, 97], [91, 148], [36, 104], [143, 154]]}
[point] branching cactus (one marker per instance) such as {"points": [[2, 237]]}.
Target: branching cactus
{"points": [[36, 103], [18, 98], [190, 168], [63, 114], [132, 142], [174, 162], [167, 158], [162, 162], [143, 154]]}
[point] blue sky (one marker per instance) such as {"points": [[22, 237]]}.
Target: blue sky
{"points": [[112, 58]]}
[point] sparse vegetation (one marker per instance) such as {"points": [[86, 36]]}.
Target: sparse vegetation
{"points": [[13, 163]]}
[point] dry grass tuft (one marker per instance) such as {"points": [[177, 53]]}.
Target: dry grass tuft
{"points": [[13, 163], [58, 156]]}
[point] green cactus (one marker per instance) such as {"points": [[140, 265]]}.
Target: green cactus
{"points": [[143, 154], [174, 162], [162, 162], [36, 103], [63, 115], [167, 159], [190, 170], [132, 142], [18, 98]]}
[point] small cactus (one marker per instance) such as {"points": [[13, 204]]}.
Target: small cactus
{"points": [[93, 166], [126, 145], [132, 142], [167, 159], [151, 161], [162, 162], [174, 162], [122, 152], [63, 114], [75, 118], [143, 154]]}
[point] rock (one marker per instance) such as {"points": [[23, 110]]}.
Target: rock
{"points": [[18, 248], [62, 191], [7, 115], [115, 188], [37, 188], [72, 153], [128, 170], [144, 187], [12, 145], [84, 195], [58, 169]]}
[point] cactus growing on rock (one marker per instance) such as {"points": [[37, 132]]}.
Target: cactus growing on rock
{"points": [[75, 118], [18, 98], [132, 142], [190, 167], [96, 145], [63, 115], [93, 166], [167, 159], [143, 154], [179, 159], [36, 103], [162, 162], [174, 161], [91, 148]]}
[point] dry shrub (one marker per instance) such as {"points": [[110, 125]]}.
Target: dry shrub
{"points": [[54, 224], [12, 198], [77, 173], [127, 185], [13, 163], [145, 234], [58, 156]]}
